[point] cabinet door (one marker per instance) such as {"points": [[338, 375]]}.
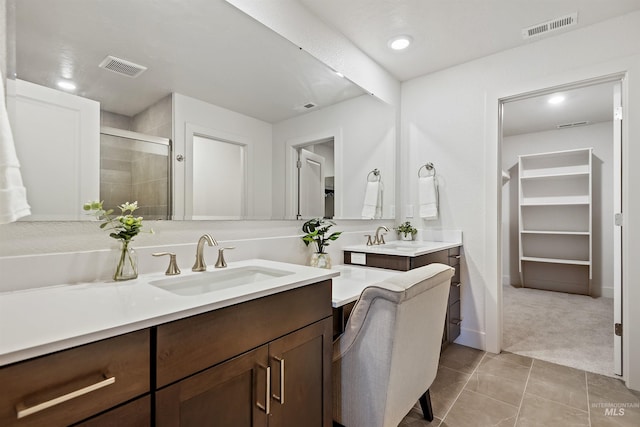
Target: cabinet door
{"points": [[301, 377], [231, 394]]}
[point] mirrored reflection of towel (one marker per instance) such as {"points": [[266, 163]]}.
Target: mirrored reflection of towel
{"points": [[428, 197], [372, 206], [13, 197]]}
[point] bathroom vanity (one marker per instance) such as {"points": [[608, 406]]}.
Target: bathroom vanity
{"points": [[137, 354], [405, 256]]}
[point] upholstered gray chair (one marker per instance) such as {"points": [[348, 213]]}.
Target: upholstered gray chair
{"points": [[388, 355]]}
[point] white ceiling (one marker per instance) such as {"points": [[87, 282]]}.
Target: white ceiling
{"points": [[593, 104], [206, 49], [209, 50], [450, 32]]}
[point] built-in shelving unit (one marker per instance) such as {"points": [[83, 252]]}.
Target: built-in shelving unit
{"points": [[555, 211]]}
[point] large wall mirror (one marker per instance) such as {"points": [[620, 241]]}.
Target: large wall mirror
{"points": [[216, 109]]}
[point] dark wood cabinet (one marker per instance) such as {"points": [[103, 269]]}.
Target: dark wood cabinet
{"points": [[66, 387], [281, 384], [227, 395], [449, 257], [300, 377], [266, 362]]}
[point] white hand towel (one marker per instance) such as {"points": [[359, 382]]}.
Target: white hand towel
{"points": [[428, 197], [371, 200], [13, 195]]}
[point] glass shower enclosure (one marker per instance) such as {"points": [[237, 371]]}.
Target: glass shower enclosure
{"points": [[135, 167]]}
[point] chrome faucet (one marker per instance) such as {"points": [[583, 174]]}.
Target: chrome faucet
{"points": [[200, 265], [379, 238]]}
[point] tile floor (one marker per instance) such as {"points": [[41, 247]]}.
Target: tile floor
{"points": [[477, 389]]}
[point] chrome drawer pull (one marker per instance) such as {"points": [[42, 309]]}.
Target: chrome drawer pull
{"points": [[267, 403], [24, 411], [281, 397]]}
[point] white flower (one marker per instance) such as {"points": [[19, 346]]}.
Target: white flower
{"points": [[129, 206]]}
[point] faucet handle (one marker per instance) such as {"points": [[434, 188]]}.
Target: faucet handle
{"points": [[221, 263], [369, 242], [173, 269]]}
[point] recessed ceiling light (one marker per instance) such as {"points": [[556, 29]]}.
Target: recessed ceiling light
{"points": [[399, 42], [66, 85], [556, 99]]}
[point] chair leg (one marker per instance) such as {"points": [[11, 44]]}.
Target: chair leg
{"points": [[425, 404]]}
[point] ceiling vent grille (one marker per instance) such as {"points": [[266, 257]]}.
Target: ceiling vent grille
{"points": [[550, 26], [309, 105], [122, 66], [572, 125]]}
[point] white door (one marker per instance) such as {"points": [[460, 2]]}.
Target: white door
{"points": [[218, 183], [617, 229], [310, 184], [57, 138]]}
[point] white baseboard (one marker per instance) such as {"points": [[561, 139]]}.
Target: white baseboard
{"points": [[606, 292], [471, 338]]}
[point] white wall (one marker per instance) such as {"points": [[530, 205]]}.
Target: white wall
{"points": [[228, 125], [451, 118], [364, 130], [599, 136]]}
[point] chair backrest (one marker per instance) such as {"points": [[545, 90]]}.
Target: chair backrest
{"points": [[388, 355]]}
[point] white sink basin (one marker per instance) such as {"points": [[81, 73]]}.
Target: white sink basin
{"points": [[211, 281]]}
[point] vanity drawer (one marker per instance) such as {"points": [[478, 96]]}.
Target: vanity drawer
{"points": [[196, 343], [69, 386]]}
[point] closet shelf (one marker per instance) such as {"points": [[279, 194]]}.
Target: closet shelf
{"points": [[552, 232], [556, 260], [555, 208], [555, 201], [554, 175]]}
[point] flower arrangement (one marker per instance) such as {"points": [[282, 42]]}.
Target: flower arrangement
{"points": [[123, 227], [316, 229], [406, 229]]}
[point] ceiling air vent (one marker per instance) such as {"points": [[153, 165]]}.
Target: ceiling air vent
{"points": [[549, 26], [309, 105], [122, 66], [572, 125]]}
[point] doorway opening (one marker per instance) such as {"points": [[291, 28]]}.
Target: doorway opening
{"points": [[314, 179], [561, 252]]}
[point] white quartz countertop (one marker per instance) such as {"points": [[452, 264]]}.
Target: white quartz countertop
{"points": [[352, 281], [40, 321], [410, 248]]}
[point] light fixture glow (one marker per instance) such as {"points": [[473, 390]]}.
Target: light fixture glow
{"points": [[339, 74], [556, 99], [66, 85], [400, 42]]}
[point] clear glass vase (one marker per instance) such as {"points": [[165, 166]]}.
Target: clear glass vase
{"points": [[126, 263], [320, 260]]}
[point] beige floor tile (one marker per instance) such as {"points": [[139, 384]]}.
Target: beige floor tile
{"points": [[415, 419], [500, 379], [539, 412], [445, 389], [611, 403], [461, 358], [511, 357], [558, 383], [477, 410]]}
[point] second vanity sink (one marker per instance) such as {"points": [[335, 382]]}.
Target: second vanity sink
{"points": [[210, 281], [402, 248]]}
